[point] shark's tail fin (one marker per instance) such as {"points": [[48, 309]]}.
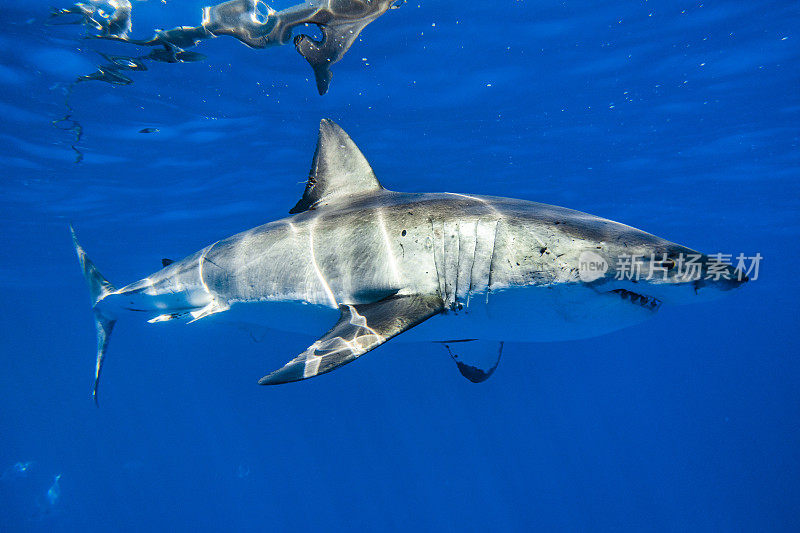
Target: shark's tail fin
{"points": [[99, 288]]}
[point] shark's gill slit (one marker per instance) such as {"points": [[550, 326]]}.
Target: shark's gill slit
{"points": [[474, 258], [438, 263], [491, 261]]}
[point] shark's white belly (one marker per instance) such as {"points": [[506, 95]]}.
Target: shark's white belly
{"points": [[540, 314]]}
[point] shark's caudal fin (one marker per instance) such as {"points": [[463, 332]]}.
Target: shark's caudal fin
{"points": [[99, 287]]}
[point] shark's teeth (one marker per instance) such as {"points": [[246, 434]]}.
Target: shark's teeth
{"points": [[648, 302]]}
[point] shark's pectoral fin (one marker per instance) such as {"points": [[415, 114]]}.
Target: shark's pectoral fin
{"points": [[476, 360], [360, 329]]}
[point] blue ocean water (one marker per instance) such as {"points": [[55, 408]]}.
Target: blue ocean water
{"points": [[680, 118]]}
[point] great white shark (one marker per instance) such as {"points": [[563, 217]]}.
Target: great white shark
{"points": [[460, 269]]}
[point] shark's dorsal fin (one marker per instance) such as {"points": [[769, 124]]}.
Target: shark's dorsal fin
{"points": [[339, 169]]}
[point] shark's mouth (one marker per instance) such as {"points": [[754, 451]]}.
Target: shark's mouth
{"points": [[648, 302]]}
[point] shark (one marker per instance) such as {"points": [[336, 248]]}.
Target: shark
{"points": [[357, 265]]}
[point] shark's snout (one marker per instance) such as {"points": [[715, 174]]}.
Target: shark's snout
{"points": [[731, 278], [710, 282], [671, 281]]}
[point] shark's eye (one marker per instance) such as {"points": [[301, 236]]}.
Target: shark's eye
{"points": [[669, 264]]}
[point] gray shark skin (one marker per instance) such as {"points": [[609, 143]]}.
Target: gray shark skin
{"points": [[432, 266]]}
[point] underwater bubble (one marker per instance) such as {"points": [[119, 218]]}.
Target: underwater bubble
{"points": [[242, 471], [18, 469]]}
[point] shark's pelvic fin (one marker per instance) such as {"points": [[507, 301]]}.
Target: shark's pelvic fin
{"points": [[212, 308], [360, 329], [99, 288], [339, 169], [476, 360], [166, 262]]}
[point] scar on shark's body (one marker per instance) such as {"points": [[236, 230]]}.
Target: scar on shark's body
{"points": [[467, 271]]}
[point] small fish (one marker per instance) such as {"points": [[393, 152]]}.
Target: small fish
{"points": [[108, 74], [149, 130], [124, 62]]}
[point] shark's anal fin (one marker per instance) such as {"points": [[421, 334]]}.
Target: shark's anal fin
{"points": [[360, 329], [476, 360]]}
